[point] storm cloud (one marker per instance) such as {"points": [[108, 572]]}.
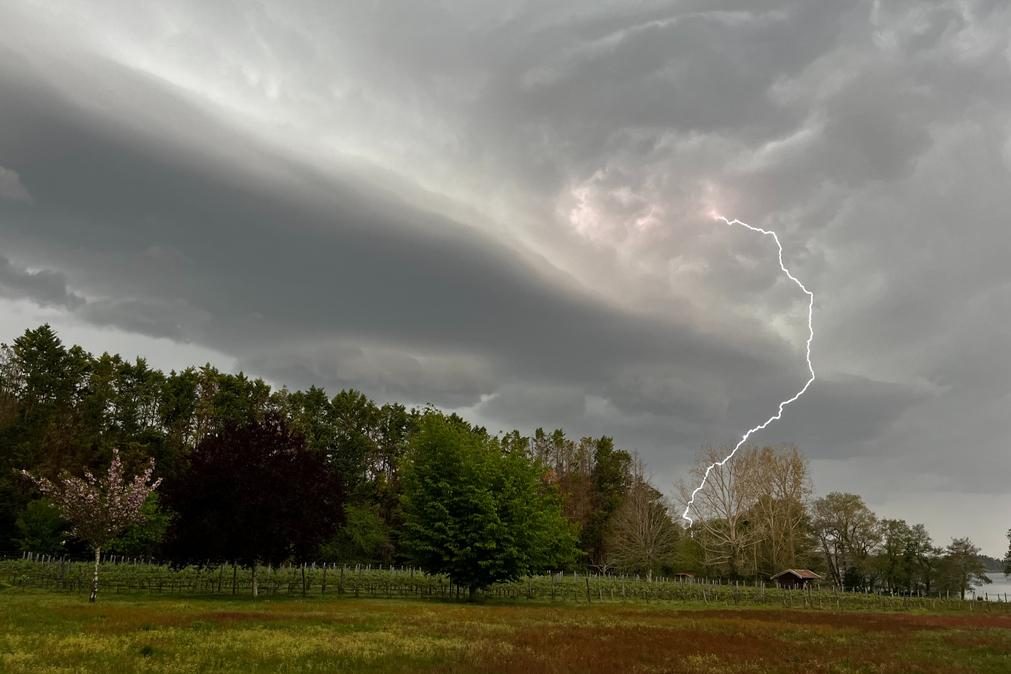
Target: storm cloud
{"points": [[504, 210]]}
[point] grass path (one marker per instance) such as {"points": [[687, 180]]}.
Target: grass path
{"points": [[46, 632]]}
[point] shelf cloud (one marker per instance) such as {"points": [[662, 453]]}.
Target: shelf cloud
{"points": [[504, 210]]}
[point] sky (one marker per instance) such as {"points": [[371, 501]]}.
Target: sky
{"points": [[504, 209]]}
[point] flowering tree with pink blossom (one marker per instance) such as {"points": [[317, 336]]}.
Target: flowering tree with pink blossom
{"points": [[99, 509]]}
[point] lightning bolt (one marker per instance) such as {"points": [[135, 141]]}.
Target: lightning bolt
{"points": [[810, 367]]}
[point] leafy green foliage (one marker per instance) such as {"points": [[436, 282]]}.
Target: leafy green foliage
{"points": [[144, 539], [963, 566], [476, 513], [41, 529], [1007, 557], [365, 537], [611, 479]]}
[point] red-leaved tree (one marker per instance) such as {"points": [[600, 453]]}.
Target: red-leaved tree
{"points": [[99, 509]]}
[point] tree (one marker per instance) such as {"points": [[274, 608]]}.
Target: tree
{"points": [[725, 508], [254, 494], [569, 466], [922, 558], [906, 559], [145, 537], [892, 561], [41, 529], [847, 531], [643, 537], [99, 509], [40, 384], [363, 538], [1007, 557], [354, 420], [610, 478], [476, 513], [396, 425], [964, 565], [779, 484]]}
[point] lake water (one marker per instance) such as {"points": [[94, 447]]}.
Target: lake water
{"points": [[1001, 584]]}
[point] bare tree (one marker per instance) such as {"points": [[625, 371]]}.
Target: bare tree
{"points": [[725, 508], [781, 487], [99, 509], [643, 535]]}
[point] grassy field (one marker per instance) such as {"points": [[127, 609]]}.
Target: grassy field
{"points": [[60, 632]]}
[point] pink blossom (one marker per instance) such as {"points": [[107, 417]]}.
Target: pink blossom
{"points": [[99, 509]]}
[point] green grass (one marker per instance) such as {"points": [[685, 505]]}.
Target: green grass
{"points": [[42, 631]]}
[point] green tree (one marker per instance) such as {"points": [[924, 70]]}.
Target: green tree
{"points": [[476, 513], [41, 382], [309, 412], [1007, 557], [906, 560], [41, 529], [611, 478], [365, 537], [354, 419], [396, 425], [848, 531], [892, 562], [964, 566], [177, 406], [569, 465], [144, 538], [921, 558]]}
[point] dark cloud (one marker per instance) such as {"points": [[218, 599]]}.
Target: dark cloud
{"points": [[11, 187], [45, 287], [502, 209], [241, 261], [844, 417], [384, 373], [173, 319]]}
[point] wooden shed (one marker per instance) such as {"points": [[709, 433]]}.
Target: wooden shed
{"points": [[796, 578]]}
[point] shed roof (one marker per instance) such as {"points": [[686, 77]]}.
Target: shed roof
{"points": [[806, 574]]}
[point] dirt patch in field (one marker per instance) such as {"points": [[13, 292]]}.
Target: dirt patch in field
{"points": [[244, 616], [724, 641], [617, 649], [877, 622]]}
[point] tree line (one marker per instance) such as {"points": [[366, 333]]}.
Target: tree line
{"points": [[247, 474], [757, 515]]}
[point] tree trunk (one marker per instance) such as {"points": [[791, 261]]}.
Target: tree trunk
{"points": [[255, 587], [472, 593], [94, 579]]}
